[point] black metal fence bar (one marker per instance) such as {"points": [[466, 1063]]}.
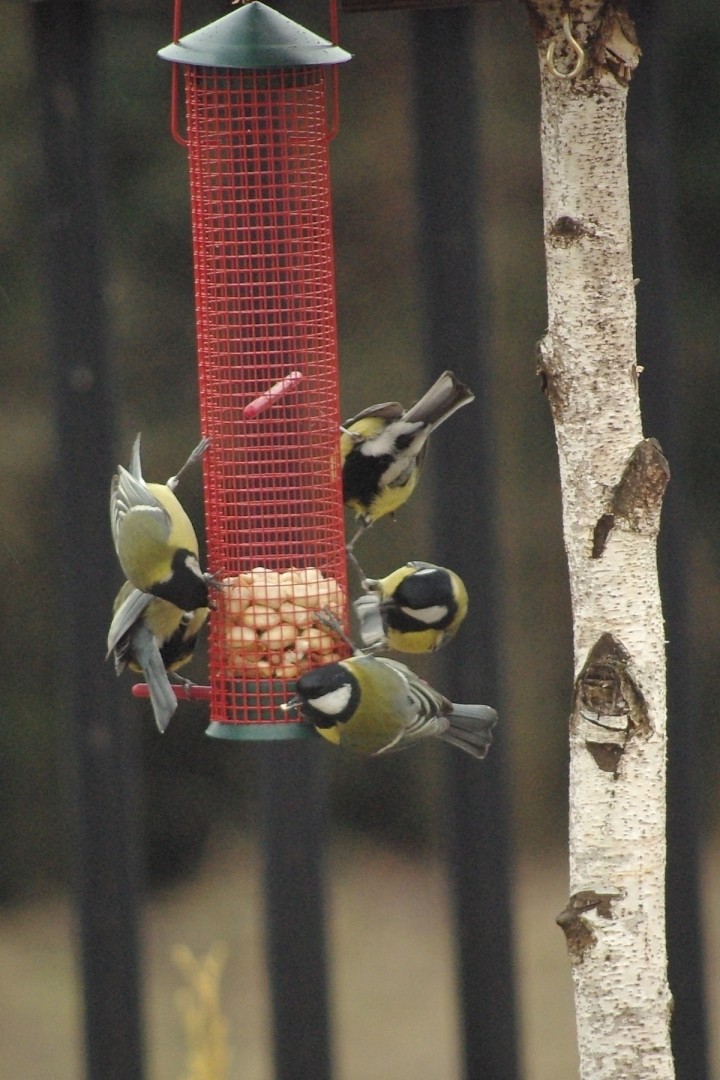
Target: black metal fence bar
{"points": [[454, 298], [651, 197], [293, 791], [102, 759]]}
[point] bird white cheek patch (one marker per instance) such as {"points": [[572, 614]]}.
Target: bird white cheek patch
{"points": [[334, 702], [429, 615]]}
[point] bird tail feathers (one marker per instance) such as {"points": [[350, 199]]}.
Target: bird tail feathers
{"points": [[442, 399], [135, 468], [470, 728], [162, 695]]}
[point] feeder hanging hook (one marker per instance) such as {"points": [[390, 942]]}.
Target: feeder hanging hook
{"points": [[574, 45]]}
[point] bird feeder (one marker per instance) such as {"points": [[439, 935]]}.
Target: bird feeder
{"points": [[259, 121]]}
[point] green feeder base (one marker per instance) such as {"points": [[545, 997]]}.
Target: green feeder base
{"points": [[260, 732]]}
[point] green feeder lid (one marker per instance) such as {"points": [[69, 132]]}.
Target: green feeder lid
{"points": [[253, 36]]}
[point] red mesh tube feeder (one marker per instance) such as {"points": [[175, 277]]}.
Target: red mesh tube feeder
{"points": [[256, 95]]}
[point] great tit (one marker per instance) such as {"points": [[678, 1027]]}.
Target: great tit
{"points": [[415, 609], [382, 449], [373, 705], [154, 538], [153, 636]]}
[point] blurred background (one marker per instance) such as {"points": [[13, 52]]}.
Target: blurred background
{"points": [[388, 907]]}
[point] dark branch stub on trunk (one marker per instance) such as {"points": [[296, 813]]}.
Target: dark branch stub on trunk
{"points": [[608, 697]]}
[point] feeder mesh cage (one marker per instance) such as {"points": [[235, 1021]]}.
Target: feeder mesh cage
{"points": [[265, 307]]}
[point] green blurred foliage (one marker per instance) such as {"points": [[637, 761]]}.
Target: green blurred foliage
{"points": [[194, 784]]}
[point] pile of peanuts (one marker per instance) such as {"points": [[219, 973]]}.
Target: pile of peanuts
{"points": [[272, 630]]}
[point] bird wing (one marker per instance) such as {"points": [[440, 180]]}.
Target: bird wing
{"points": [[387, 410], [425, 711], [127, 614], [133, 505], [468, 727]]}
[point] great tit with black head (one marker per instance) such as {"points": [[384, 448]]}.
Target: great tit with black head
{"points": [[373, 705], [154, 538], [152, 636], [383, 448], [416, 609]]}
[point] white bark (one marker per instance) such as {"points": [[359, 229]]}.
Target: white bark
{"points": [[612, 487]]}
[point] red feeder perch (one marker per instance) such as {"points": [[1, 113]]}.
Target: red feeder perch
{"points": [[256, 88]]}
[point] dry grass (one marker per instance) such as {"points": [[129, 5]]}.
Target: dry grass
{"points": [[392, 972]]}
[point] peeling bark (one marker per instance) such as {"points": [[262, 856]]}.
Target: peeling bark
{"points": [[613, 481], [636, 500]]}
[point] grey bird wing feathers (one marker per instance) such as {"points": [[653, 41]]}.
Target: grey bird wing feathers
{"points": [[146, 650], [127, 494], [469, 727], [124, 619], [388, 410], [129, 490]]}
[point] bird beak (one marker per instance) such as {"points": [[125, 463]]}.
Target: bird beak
{"points": [[293, 703], [211, 580]]}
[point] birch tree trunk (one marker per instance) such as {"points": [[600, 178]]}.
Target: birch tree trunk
{"points": [[613, 482]]}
